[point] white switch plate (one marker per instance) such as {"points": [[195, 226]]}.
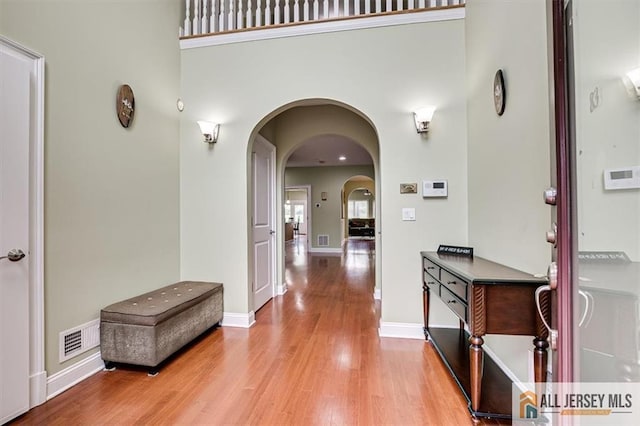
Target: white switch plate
{"points": [[408, 213]]}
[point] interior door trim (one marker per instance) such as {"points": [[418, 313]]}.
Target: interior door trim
{"points": [[38, 375]]}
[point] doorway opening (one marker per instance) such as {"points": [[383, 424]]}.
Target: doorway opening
{"points": [[313, 162]]}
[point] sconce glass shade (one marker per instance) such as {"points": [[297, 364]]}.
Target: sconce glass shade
{"points": [[634, 77], [423, 117], [209, 131]]}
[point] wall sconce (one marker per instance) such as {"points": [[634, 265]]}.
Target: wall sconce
{"points": [[209, 131], [423, 117], [634, 77]]}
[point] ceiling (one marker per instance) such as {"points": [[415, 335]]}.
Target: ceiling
{"points": [[324, 150]]}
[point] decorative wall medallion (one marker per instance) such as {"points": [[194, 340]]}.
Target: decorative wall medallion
{"points": [[125, 105], [499, 92]]}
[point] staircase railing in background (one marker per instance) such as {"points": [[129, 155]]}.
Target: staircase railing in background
{"points": [[219, 16]]}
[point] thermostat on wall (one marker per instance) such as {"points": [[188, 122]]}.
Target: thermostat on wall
{"points": [[434, 188], [622, 178]]}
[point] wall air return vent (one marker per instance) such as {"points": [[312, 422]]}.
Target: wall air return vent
{"points": [[323, 240], [79, 339]]}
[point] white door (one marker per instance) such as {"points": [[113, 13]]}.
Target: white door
{"points": [[263, 168], [14, 234]]}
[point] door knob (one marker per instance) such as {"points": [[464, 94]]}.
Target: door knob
{"points": [[14, 255]]}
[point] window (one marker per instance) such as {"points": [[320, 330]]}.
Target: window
{"points": [[358, 209]]}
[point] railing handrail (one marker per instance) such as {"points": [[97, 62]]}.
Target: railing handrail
{"points": [[210, 17]]}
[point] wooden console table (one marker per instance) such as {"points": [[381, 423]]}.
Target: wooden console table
{"points": [[490, 299]]}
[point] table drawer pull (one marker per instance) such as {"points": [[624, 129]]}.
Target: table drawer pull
{"points": [[452, 282]]}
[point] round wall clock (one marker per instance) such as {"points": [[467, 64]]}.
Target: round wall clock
{"points": [[125, 105], [499, 93]]}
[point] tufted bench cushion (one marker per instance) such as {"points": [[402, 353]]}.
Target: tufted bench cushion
{"points": [[146, 329]]}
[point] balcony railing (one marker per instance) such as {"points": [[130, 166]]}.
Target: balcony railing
{"points": [[208, 17]]}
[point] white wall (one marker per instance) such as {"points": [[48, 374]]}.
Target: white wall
{"points": [[509, 155], [243, 85], [111, 194]]}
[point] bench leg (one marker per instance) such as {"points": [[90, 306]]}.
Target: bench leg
{"points": [[153, 371], [109, 366]]}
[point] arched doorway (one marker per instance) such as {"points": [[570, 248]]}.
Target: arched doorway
{"points": [[288, 129]]}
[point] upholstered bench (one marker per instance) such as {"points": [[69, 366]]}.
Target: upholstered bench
{"points": [[147, 329]]}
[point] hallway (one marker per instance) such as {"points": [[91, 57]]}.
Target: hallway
{"points": [[313, 357]]}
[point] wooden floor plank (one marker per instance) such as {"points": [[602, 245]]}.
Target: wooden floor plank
{"points": [[313, 357]]}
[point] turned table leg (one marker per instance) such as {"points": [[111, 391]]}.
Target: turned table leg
{"points": [[476, 357], [540, 359], [425, 309]]}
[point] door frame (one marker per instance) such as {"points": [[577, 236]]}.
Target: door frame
{"points": [[562, 311], [37, 373], [308, 210]]}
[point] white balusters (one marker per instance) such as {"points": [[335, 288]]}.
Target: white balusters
{"points": [[213, 19], [287, 11], [222, 16], [259, 13], [249, 14], [240, 16], [267, 13], [213, 16], [204, 22], [187, 21], [231, 16], [195, 24]]}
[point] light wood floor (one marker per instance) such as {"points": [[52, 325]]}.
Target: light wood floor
{"points": [[313, 357]]}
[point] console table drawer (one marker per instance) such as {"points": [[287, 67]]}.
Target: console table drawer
{"points": [[456, 285], [454, 303], [431, 268], [431, 283]]}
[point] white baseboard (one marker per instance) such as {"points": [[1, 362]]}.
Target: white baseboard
{"points": [[377, 294], [325, 250], [403, 330], [230, 319], [74, 374], [281, 289], [37, 389]]}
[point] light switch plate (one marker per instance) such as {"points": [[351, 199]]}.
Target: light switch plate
{"points": [[408, 214]]}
